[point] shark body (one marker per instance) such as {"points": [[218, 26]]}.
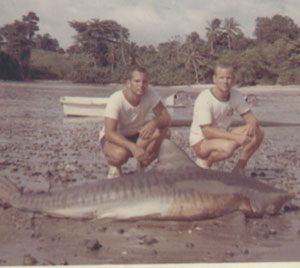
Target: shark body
{"points": [[176, 189]]}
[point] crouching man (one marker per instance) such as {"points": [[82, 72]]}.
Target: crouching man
{"points": [[211, 137], [127, 131]]}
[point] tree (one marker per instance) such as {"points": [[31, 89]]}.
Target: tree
{"points": [[101, 40], [271, 29], [9, 67], [17, 45], [31, 20], [193, 54], [46, 42], [18, 37], [169, 51], [2, 42], [146, 56], [213, 29], [231, 30]]}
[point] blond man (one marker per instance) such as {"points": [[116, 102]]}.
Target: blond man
{"points": [[211, 136]]}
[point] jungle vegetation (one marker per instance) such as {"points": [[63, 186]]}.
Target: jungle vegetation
{"points": [[102, 52]]}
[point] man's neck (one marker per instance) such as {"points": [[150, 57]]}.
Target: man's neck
{"points": [[132, 98], [220, 95]]}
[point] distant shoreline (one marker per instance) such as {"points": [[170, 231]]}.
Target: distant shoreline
{"points": [[292, 90]]}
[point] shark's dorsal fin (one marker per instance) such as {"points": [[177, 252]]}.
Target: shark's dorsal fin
{"points": [[170, 156]]}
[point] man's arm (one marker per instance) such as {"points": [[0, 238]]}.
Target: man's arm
{"points": [[210, 132], [161, 120], [251, 123], [162, 116]]}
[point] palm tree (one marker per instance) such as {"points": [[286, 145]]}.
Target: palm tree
{"points": [[169, 51], [232, 30], [192, 54], [213, 31], [123, 43]]}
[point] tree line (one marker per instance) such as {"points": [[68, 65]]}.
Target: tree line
{"points": [[103, 52]]}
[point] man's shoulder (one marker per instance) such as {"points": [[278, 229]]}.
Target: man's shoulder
{"points": [[235, 93], [115, 100], [116, 94], [204, 93]]}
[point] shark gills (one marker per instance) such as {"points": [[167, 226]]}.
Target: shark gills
{"points": [[176, 189]]}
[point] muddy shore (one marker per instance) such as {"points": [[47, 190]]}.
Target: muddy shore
{"points": [[38, 145]]}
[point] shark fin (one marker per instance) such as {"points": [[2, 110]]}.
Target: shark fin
{"points": [[171, 157]]}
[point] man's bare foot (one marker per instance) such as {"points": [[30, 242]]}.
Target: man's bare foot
{"points": [[114, 172]]}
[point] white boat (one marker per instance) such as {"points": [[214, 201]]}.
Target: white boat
{"points": [[95, 106], [84, 106]]}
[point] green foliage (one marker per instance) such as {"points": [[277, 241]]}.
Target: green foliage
{"points": [[46, 42], [270, 30], [85, 74], [18, 45], [161, 74], [251, 67], [232, 31], [102, 52], [103, 40], [9, 67], [213, 29], [50, 64], [290, 76]]}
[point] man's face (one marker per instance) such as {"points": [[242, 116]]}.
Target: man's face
{"points": [[138, 83], [224, 79]]}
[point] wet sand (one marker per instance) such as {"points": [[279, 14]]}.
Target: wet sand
{"points": [[39, 145]]}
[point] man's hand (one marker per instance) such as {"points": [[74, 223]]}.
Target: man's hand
{"points": [[251, 124], [251, 129], [243, 138], [147, 130], [140, 154]]}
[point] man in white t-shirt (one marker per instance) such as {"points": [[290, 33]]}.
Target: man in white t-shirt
{"points": [[211, 137], [127, 130]]}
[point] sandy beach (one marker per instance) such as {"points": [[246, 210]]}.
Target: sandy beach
{"points": [[38, 145]]}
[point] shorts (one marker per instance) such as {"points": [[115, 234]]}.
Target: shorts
{"points": [[132, 138]]}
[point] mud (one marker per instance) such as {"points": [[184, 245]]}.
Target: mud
{"points": [[39, 146]]}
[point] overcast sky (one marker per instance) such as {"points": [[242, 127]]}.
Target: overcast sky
{"points": [[148, 21]]}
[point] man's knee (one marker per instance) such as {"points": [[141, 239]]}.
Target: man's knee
{"points": [[258, 137], [224, 148], [116, 156], [260, 134], [229, 148], [161, 133]]}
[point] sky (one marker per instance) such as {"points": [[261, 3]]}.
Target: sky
{"points": [[149, 22]]}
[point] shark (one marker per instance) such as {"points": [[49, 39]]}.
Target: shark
{"points": [[175, 189]]}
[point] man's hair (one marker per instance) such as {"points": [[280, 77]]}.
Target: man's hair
{"points": [[137, 68], [223, 65]]}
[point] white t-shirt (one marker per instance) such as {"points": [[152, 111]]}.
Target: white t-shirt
{"points": [[208, 110], [130, 118]]}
